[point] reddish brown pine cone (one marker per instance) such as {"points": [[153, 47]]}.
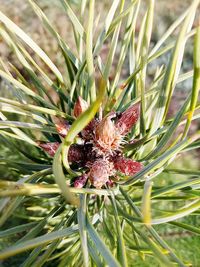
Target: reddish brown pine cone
{"points": [[50, 147], [80, 181], [127, 166], [128, 118], [100, 172], [77, 153]]}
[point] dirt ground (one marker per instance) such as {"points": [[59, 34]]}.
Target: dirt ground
{"points": [[21, 13]]}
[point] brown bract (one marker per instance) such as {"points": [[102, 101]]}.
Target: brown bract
{"points": [[80, 106], [62, 126]]}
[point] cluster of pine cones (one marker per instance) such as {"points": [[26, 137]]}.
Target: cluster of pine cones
{"points": [[99, 154]]}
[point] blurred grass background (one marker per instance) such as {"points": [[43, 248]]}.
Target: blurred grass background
{"points": [[185, 245]]}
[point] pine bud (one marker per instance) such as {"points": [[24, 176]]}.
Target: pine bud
{"points": [[80, 181], [76, 153], [107, 137], [127, 119], [100, 172], [49, 148], [80, 106], [127, 166]]}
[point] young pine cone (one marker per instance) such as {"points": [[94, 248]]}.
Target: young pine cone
{"points": [[107, 137], [100, 171], [127, 119], [127, 166]]}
